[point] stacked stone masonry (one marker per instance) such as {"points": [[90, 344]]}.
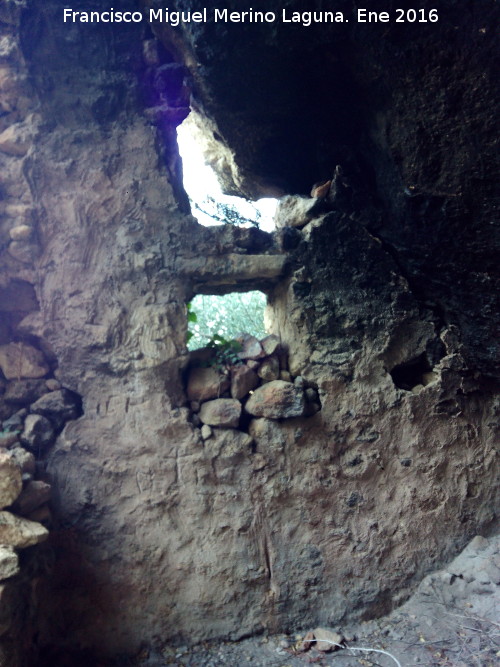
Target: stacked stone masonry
{"points": [[24, 372], [34, 409], [18, 126], [230, 395]]}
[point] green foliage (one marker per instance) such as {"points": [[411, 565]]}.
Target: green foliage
{"points": [[222, 318], [225, 352], [192, 318]]}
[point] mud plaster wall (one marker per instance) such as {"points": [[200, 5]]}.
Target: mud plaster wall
{"points": [[156, 537]]}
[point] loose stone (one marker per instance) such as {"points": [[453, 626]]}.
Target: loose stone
{"points": [[295, 211], [206, 432], [19, 360], [299, 381], [14, 424], [20, 533], [251, 348], [270, 344], [21, 233], [57, 406], [221, 412], [276, 400], [38, 434], [307, 642], [269, 369], [12, 142], [52, 384], [7, 439], [23, 251], [206, 383], [243, 380], [311, 395], [25, 391], [20, 212], [331, 638], [33, 495], [10, 480], [9, 562]]}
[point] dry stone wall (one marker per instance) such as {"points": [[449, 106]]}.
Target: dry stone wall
{"points": [[229, 389], [25, 374], [34, 409]]}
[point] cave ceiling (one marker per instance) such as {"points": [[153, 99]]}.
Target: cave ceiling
{"points": [[406, 109]]}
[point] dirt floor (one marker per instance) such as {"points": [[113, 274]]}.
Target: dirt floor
{"points": [[452, 620]]}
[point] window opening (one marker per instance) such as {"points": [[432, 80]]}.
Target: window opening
{"points": [[208, 204], [225, 316], [238, 312]]}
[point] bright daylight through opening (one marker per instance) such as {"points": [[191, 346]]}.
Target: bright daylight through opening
{"points": [[235, 313], [225, 316], [208, 204]]}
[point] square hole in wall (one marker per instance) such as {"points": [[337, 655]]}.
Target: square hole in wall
{"points": [[225, 316]]}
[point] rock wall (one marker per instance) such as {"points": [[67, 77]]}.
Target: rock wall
{"points": [[33, 405], [156, 535]]}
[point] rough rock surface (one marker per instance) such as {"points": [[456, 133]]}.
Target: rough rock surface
{"points": [[58, 407], [23, 392], [269, 369], [34, 494], [276, 400], [270, 344], [221, 412], [434, 628], [243, 380], [10, 480], [25, 460], [251, 348], [341, 513], [206, 383], [38, 433], [18, 360], [228, 450], [20, 533], [269, 436], [9, 562]]}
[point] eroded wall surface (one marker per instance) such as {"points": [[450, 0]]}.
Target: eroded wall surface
{"points": [[156, 536]]}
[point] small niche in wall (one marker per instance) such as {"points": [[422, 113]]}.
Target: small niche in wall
{"points": [[411, 373]]}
